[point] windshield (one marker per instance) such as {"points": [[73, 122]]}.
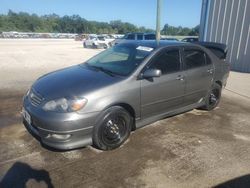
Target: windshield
{"points": [[120, 60], [101, 38]]}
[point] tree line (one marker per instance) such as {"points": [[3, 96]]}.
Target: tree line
{"points": [[53, 23]]}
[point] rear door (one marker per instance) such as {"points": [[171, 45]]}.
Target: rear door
{"points": [[199, 72], [164, 93]]}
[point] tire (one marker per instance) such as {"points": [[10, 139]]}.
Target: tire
{"points": [[94, 46], [106, 46], [213, 98], [112, 129]]}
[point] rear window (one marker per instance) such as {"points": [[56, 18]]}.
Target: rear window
{"points": [[218, 53]]}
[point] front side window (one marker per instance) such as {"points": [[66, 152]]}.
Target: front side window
{"points": [[139, 37], [167, 62], [120, 59], [194, 58]]}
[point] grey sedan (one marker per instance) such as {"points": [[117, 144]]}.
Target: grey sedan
{"points": [[121, 89]]}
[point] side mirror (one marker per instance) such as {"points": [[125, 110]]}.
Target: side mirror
{"points": [[151, 73]]}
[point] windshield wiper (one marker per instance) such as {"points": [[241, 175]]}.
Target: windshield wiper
{"points": [[109, 72]]}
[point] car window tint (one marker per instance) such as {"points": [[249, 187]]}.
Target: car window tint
{"points": [[139, 37], [194, 58], [120, 59], [167, 62], [131, 37], [149, 37], [121, 55], [218, 53]]}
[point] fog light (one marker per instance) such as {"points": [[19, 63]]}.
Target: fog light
{"points": [[61, 136]]}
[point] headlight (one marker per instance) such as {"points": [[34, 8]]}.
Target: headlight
{"points": [[26, 94], [65, 105]]}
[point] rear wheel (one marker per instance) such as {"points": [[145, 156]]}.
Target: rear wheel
{"points": [[213, 98], [94, 46], [112, 128]]}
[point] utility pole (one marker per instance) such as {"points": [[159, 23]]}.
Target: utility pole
{"points": [[158, 21]]}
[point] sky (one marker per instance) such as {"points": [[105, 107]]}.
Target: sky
{"points": [[139, 12]]}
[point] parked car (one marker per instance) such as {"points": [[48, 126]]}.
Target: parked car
{"points": [[123, 88], [170, 39], [136, 36], [96, 41], [80, 37], [109, 38], [190, 39]]}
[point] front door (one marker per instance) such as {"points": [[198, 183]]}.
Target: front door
{"points": [[165, 93]]}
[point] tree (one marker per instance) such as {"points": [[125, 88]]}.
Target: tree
{"points": [[183, 31], [25, 22]]}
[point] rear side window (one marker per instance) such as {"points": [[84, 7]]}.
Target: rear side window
{"points": [[131, 37], [194, 58], [167, 62], [150, 37]]}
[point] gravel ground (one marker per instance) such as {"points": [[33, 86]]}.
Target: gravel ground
{"points": [[195, 149], [22, 61]]}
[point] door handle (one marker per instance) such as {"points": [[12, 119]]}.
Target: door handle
{"points": [[180, 77], [210, 71]]}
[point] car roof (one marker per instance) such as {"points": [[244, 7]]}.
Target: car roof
{"points": [[191, 38], [153, 44], [140, 33]]}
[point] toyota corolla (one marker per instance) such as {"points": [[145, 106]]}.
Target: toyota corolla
{"points": [[121, 89]]}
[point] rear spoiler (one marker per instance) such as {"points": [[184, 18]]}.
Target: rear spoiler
{"points": [[220, 50]]}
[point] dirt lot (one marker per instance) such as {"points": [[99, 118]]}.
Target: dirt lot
{"points": [[195, 149]]}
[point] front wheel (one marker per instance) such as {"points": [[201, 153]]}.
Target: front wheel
{"points": [[112, 128], [106, 46], [213, 98]]}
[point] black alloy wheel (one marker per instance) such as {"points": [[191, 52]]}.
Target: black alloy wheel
{"points": [[213, 98], [112, 128]]}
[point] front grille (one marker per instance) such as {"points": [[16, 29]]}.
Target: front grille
{"points": [[35, 98]]}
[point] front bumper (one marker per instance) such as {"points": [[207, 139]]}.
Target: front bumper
{"points": [[60, 130]]}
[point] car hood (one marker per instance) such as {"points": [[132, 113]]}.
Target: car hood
{"points": [[72, 81], [102, 41]]}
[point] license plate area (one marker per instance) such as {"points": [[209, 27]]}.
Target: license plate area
{"points": [[26, 116]]}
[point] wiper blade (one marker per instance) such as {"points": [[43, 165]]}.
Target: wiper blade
{"points": [[109, 72]]}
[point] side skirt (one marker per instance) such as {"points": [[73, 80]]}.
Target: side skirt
{"points": [[143, 122]]}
